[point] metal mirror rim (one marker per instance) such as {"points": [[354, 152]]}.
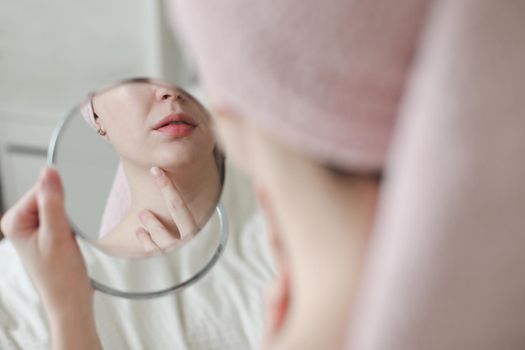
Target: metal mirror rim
{"points": [[219, 209]]}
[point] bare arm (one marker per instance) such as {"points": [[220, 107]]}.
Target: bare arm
{"points": [[74, 329]]}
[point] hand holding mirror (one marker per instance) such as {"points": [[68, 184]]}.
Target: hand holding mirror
{"points": [[143, 176]]}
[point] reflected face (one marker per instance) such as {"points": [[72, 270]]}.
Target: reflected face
{"points": [[150, 123]]}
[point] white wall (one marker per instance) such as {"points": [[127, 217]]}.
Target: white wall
{"points": [[52, 52]]}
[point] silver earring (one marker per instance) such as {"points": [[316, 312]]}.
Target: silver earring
{"points": [[101, 132]]}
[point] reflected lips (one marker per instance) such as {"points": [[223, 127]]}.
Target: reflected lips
{"points": [[176, 125]]}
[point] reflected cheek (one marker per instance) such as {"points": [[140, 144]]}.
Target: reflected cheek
{"points": [[127, 142]]}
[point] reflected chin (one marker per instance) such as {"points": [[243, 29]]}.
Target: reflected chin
{"points": [[173, 156]]}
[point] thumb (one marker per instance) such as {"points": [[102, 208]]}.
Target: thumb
{"points": [[51, 212]]}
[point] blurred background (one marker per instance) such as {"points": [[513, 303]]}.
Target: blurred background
{"points": [[52, 53]]}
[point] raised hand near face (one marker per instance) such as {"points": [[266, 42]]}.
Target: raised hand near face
{"points": [[154, 236]]}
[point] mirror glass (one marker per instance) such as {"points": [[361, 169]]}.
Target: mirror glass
{"points": [[143, 177]]}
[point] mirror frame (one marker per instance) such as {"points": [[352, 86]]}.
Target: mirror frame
{"points": [[219, 210]]}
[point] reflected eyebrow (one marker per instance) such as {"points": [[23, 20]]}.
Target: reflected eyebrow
{"points": [[140, 80]]}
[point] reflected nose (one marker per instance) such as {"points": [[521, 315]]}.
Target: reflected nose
{"points": [[163, 94]]}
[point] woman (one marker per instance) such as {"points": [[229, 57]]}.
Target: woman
{"points": [[163, 138], [316, 93]]}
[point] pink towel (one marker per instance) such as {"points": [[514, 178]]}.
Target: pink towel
{"points": [[86, 109], [117, 203], [339, 78], [445, 266]]}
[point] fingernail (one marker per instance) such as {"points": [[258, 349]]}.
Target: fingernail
{"points": [[49, 180], [143, 216], [160, 178], [155, 171], [140, 231]]}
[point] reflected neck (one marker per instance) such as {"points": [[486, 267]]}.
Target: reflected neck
{"points": [[198, 184]]}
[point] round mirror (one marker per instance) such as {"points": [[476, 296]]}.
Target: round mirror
{"points": [[143, 178]]}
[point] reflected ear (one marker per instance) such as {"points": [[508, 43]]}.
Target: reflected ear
{"points": [[278, 303], [279, 292], [101, 130], [99, 126], [97, 121]]}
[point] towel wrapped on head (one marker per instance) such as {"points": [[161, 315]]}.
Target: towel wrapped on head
{"points": [[329, 78]]}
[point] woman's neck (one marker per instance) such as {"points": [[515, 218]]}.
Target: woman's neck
{"points": [[197, 183]]}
